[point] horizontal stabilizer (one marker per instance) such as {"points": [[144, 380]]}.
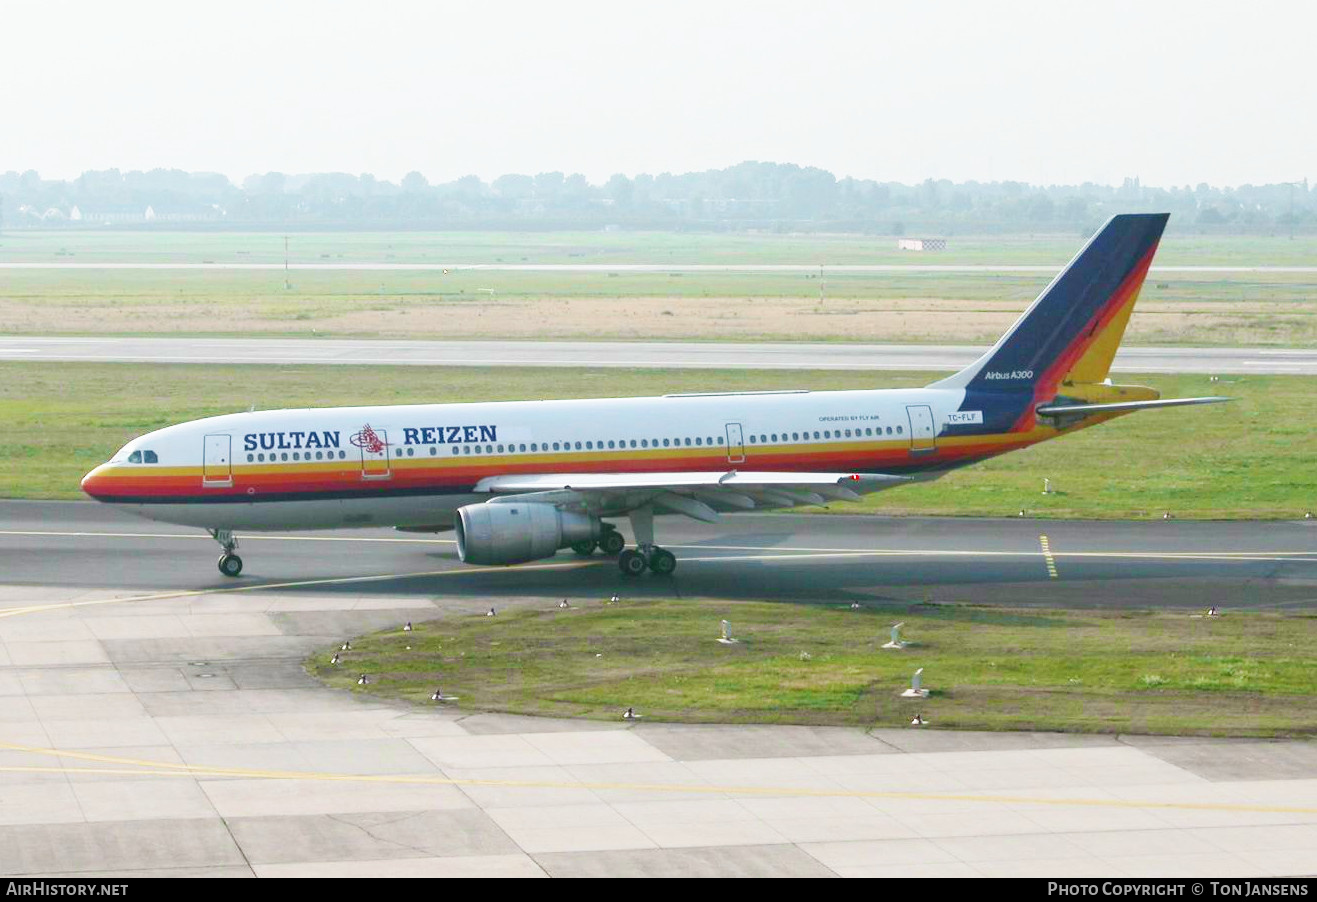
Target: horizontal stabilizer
{"points": [[1066, 410]]}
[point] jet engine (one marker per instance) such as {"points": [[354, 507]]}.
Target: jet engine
{"points": [[513, 533]]}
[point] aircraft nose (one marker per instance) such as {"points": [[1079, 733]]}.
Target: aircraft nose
{"points": [[96, 484]]}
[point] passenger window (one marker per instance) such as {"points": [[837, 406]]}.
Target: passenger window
{"points": [[260, 458], [578, 446], [795, 436], [456, 450], [763, 438], [720, 439], [753, 440], [135, 457], [489, 449], [589, 446], [899, 430], [250, 458], [816, 436], [644, 443], [633, 443], [665, 443], [698, 440], [466, 449], [848, 433], [774, 436], [318, 453]]}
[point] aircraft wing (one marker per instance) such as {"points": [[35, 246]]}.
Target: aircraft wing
{"points": [[701, 495]]}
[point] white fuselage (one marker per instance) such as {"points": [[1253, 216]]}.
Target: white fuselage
{"points": [[413, 465]]}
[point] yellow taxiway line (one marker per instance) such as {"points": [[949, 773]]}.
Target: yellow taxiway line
{"points": [[1047, 556], [247, 537], [296, 584], [142, 767]]}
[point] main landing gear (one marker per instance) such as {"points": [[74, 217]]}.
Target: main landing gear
{"points": [[610, 543], [660, 560], [646, 553], [229, 563]]}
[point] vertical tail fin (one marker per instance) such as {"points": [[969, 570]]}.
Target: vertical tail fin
{"points": [[1072, 330]]}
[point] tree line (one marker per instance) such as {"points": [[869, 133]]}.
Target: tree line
{"points": [[750, 195]]}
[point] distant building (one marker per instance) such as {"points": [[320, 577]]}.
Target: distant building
{"points": [[108, 213], [921, 244], [183, 212]]}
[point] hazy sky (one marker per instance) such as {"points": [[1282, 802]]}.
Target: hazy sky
{"points": [[1175, 93]]}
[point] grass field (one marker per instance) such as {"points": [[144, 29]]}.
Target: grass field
{"points": [[99, 246], [1204, 308], [1241, 674], [1254, 458], [1276, 309]]}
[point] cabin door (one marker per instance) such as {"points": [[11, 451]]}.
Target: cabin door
{"points": [[735, 444], [374, 445], [217, 462], [923, 437]]}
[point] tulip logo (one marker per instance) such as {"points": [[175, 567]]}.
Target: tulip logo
{"points": [[368, 440]]}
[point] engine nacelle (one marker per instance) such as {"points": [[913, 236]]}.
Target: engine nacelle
{"points": [[513, 533]]}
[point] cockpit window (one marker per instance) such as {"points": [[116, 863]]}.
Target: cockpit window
{"points": [[148, 457], [135, 457]]}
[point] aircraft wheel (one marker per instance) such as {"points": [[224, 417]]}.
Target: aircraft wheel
{"points": [[662, 562], [585, 548], [230, 564], [632, 563], [612, 543]]}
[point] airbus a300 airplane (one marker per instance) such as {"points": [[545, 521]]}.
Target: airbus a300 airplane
{"points": [[520, 480]]}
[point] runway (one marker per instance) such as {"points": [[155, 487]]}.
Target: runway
{"points": [[801, 557], [155, 718], [658, 355]]}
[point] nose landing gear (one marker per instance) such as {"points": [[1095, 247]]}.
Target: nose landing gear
{"points": [[229, 563]]}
